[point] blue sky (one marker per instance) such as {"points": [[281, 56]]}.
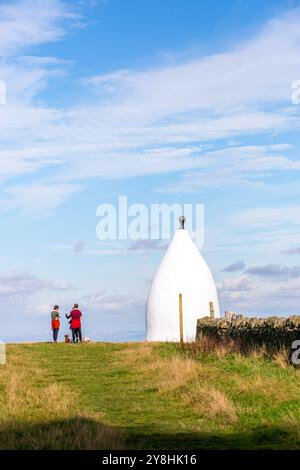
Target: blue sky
{"points": [[165, 102]]}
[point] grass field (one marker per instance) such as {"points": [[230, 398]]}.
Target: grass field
{"points": [[148, 396]]}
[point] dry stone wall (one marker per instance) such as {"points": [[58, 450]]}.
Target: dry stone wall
{"points": [[271, 332]]}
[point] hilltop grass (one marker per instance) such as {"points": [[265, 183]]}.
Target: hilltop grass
{"points": [[148, 396]]}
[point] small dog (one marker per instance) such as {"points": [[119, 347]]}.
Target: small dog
{"points": [[67, 339]]}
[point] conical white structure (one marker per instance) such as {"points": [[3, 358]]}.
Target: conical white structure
{"points": [[182, 270]]}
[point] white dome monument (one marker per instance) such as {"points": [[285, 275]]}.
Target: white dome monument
{"points": [[181, 271]]}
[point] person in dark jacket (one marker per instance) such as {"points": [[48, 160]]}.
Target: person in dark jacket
{"points": [[75, 316]]}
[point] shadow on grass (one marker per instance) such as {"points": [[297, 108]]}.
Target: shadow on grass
{"points": [[88, 434], [260, 438], [75, 433]]}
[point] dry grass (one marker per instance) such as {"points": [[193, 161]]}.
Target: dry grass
{"points": [[209, 345], [166, 373], [195, 381], [35, 414], [266, 387], [182, 376], [282, 359], [291, 422], [172, 373], [135, 355], [158, 394], [211, 403], [223, 347]]}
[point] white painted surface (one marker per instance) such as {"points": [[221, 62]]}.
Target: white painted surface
{"points": [[182, 270]]}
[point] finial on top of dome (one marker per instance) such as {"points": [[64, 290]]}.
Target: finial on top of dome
{"points": [[182, 220]]}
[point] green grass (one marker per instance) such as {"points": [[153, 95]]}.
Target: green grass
{"points": [[153, 396]]}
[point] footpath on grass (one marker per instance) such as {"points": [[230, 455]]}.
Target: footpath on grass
{"points": [[152, 396]]}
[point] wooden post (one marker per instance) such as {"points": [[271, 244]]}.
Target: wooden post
{"points": [[180, 319], [231, 315], [211, 310], [226, 315]]}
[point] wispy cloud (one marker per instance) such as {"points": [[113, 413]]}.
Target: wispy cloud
{"points": [[257, 71], [37, 199], [247, 294], [267, 217], [275, 271], [238, 166], [237, 266], [152, 121], [27, 23], [108, 302], [16, 284], [293, 250], [79, 247], [148, 245]]}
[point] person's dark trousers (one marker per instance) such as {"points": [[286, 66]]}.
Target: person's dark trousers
{"points": [[74, 336], [79, 334], [55, 334], [76, 332]]}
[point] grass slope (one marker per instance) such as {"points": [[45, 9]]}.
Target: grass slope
{"points": [[150, 396]]}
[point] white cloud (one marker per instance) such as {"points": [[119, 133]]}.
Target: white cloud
{"points": [[233, 267], [260, 70], [248, 295], [145, 245], [19, 284], [275, 271], [27, 23], [107, 302], [293, 250], [267, 217], [79, 247], [243, 283], [243, 166], [150, 121], [37, 199]]}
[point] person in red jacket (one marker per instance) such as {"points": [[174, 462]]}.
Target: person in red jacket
{"points": [[75, 316], [55, 323]]}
